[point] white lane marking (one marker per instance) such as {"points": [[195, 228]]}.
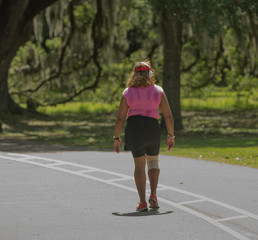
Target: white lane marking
{"points": [[235, 209], [231, 218], [193, 201], [75, 164], [208, 219], [160, 189], [53, 164], [119, 179], [86, 171], [26, 158], [191, 211]]}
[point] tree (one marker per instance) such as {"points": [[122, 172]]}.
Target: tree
{"points": [[65, 55], [196, 36], [172, 33], [205, 18], [15, 29]]}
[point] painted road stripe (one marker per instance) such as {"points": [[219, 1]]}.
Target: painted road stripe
{"points": [[193, 201], [232, 218], [76, 165], [161, 189], [119, 179], [86, 171], [235, 209], [53, 164], [195, 213]]}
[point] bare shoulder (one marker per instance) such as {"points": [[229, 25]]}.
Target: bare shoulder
{"points": [[159, 88], [125, 92]]}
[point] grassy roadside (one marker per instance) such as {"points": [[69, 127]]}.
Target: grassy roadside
{"points": [[91, 130], [216, 135], [219, 135], [226, 149]]}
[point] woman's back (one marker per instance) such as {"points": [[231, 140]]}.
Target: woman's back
{"points": [[143, 101]]}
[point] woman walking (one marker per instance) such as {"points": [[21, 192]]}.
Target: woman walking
{"points": [[140, 102]]}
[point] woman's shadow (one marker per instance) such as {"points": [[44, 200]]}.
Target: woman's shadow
{"points": [[141, 214]]}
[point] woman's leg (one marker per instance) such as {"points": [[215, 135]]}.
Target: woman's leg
{"points": [[154, 179], [140, 176], [153, 172]]}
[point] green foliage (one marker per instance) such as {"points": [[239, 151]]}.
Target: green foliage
{"points": [[84, 15], [53, 44], [218, 73], [210, 41]]}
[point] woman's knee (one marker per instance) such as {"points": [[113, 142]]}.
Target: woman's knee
{"points": [[152, 162], [140, 162]]}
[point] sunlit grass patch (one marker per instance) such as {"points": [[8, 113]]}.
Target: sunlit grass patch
{"points": [[79, 107], [219, 100]]}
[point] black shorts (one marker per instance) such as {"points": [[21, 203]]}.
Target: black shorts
{"points": [[142, 136]]}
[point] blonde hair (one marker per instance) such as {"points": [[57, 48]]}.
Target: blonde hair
{"points": [[141, 78]]}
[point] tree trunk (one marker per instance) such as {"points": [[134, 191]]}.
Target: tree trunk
{"points": [[7, 105], [15, 29], [172, 32]]}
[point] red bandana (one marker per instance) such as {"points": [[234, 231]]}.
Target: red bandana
{"points": [[143, 68]]}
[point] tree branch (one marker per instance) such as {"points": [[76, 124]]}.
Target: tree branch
{"points": [[36, 6], [77, 92], [188, 68], [98, 42], [211, 79], [63, 49], [218, 55], [154, 47]]}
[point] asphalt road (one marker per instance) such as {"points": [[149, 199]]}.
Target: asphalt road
{"points": [[92, 195]]}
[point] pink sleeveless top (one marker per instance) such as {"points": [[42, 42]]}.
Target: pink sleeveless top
{"points": [[143, 101]]}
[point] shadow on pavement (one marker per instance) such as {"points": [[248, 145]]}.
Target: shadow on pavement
{"points": [[20, 146], [141, 214], [25, 146]]}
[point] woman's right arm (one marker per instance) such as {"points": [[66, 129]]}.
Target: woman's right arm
{"points": [[123, 109], [168, 117]]}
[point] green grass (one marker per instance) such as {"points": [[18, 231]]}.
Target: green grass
{"points": [[228, 149], [91, 130], [80, 107], [223, 99], [211, 132]]}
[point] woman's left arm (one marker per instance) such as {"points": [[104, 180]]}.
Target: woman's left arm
{"points": [[123, 109]]}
